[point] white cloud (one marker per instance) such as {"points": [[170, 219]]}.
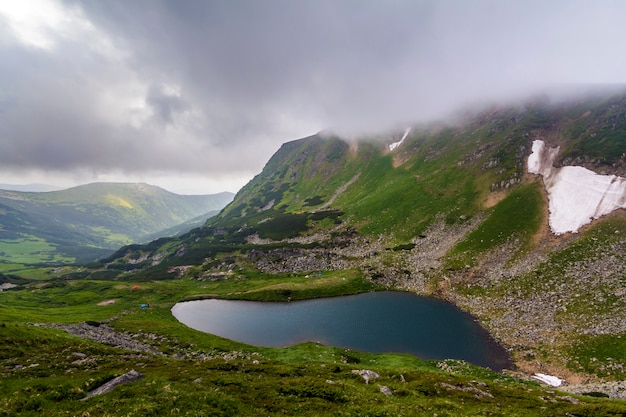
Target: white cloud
{"points": [[33, 22], [206, 88]]}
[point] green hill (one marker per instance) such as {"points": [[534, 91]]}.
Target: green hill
{"points": [[89, 221], [451, 212]]}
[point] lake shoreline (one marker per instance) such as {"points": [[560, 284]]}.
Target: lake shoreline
{"points": [[500, 358]]}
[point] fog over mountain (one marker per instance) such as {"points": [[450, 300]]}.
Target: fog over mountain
{"points": [[38, 188], [195, 96]]}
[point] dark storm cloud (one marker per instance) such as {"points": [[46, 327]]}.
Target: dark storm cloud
{"points": [[212, 86], [353, 62]]}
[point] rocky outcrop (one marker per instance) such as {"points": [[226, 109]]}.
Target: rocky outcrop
{"points": [[127, 378], [614, 389], [366, 374], [103, 333]]}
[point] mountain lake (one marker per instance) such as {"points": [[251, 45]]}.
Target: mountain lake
{"points": [[376, 322]]}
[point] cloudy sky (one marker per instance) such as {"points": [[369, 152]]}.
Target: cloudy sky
{"points": [[196, 95]]}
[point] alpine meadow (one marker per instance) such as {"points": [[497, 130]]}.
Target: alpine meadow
{"points": [[454, 209]]}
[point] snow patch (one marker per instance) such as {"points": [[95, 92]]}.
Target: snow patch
{"points": [[396, 144], [553, 381], [576, 194]]}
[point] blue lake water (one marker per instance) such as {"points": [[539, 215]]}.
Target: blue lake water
{"points": [[375, 322]]}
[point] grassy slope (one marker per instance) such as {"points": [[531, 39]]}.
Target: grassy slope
{"points": [[597, 134], [301, 172], [42, 372], [515, 220], [89, 221], [579, 286], [437, 174]]}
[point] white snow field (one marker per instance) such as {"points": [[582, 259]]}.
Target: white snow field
{"points": [[553, 381], [576, 195]]}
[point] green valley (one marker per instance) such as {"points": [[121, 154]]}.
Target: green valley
{"points": [[84, 223]]}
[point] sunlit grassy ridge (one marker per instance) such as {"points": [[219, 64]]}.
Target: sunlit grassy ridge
{"points": [[89, 221]]}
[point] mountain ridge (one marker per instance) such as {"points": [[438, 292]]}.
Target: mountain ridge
{"points": [[30, 187], [460, 218], [451, 212], [92, 220]]}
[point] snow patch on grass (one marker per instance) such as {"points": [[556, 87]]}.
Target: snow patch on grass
{"points": [[396, 144], [550, 380], [576, 195]]}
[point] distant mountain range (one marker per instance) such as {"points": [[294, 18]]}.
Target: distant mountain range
{"points": [[35, 188], [83, 223]]}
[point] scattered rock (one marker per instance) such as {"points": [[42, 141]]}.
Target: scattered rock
{"points": [[6, 286], [366, 374], [613, 389], [127, 378], [385, 390], [105, 334], [478, 393]]}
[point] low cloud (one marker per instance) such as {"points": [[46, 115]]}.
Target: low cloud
{"points": [[208, 88]]}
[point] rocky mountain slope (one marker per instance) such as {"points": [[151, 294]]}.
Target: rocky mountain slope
{"points": [[448, 209], [88, 221]]}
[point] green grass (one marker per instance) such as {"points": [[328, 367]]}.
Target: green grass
{"points": [[25, 270], [443, 177], [579, 302], [40, 375], [86, 222], [402, 202], [514, 220], [312, 380], [66, 301], [31, 249], [603, 355], [600, 136], [312, 285]]}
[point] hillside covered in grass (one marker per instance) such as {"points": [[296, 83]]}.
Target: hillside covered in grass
{"points": [[90, 221], [80, 343], [450, 211]]}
